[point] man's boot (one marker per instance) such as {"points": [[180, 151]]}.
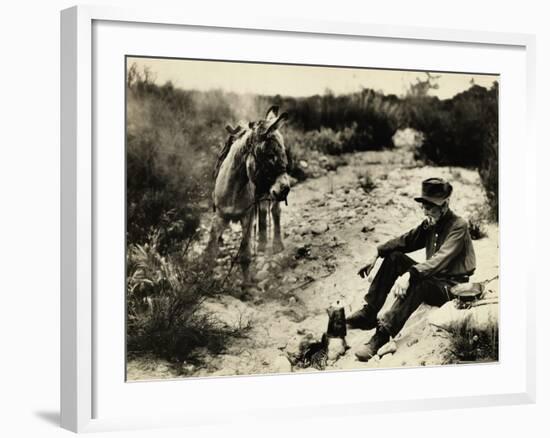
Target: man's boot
{"points": [[367, 351], [364, 319]]}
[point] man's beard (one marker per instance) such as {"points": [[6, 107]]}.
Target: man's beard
{"points": [[430, 221]]}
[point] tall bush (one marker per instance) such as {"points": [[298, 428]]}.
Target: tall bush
{"points": [[171, 139], [372, 116], [462, 131]]}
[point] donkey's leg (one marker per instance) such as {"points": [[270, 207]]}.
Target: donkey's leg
{"points": [[262, 219], [277, 241], [245, 252], [219, 224]]}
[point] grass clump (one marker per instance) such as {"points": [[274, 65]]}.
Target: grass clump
{"points": [[470, 343], [476, 227], [366, 182], [166, 298]]}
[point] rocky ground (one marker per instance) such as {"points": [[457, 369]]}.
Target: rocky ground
{"points": [[331, 225]]}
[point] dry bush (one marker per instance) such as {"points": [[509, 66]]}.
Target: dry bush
{"points": [[373, 116], [462, 131], [318, 149], [366, 181], [488, 171], [164, 187], [476, 227], [471, 344], [165, 302]]}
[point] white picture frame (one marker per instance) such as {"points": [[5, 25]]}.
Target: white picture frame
{"points": [[82, 368]]}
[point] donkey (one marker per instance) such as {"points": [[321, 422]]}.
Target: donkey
{"points": [[253, 170]]}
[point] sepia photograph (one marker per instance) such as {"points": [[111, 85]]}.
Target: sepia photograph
{"points": [[285, 218]]}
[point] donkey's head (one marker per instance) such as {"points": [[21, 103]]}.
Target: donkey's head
{"points": [[268, 163]]}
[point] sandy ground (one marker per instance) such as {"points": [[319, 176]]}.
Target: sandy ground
{"points": [[331, 226]]}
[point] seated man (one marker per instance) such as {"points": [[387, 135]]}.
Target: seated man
{"points": [[450, 259]]}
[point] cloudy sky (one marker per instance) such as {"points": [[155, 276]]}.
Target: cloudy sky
{"points": [[292, 80]]}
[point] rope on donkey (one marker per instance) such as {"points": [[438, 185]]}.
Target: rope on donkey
{"points": [[234, 259]]}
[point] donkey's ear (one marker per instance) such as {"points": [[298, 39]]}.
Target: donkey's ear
{"points": [[272, 112], [277, 123], [232, 130]]}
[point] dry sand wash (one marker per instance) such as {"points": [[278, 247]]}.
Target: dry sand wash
{"points": [[331, 225]]}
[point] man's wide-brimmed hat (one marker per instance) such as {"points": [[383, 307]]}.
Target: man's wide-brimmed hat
{"points": [[435, 191]]}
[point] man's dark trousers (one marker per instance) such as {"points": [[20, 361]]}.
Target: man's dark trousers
{"points": [[433, 291]]}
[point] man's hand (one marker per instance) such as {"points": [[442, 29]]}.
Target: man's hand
{"points": [[401, 285], [366, 270]]}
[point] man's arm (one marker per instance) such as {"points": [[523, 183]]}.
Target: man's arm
{"points": [[411, 241], [451, 248]]}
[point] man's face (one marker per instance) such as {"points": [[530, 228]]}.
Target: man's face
{"points": [[432, 212]]}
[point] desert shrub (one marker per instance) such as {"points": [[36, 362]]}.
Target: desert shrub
{"points": [[462, 131], [477, 228], [408, 138], [488, 166], [370, 117], [355, 139], [316, 148], [474, 344], [366, 181], [165, 302], [164, 188], [323, 146], [325, 140]]}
